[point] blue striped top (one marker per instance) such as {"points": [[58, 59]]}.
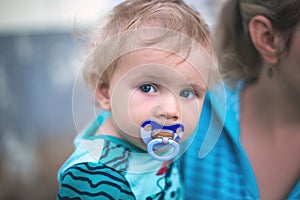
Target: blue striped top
{"points": [[106, 167]]}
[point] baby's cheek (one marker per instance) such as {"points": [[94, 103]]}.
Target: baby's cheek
{"points": [[138, 112], [189, 129], [190, 122]]}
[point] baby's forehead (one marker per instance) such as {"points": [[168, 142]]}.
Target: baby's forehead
{"points": [[196, 60], [159, 67], [151, 56]]}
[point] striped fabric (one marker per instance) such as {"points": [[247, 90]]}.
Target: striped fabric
{"points": [[105, 167], [94, 181], [225, 173]]}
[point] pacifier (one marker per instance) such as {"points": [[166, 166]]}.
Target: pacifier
{"points": [[159, 137]]}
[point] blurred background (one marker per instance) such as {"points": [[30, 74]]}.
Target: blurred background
{"points": [[43, 100]]}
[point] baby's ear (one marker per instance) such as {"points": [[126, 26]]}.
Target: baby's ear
{"points": [[102, 94]]}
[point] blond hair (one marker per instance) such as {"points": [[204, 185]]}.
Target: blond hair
{"points": [[141, 23]]}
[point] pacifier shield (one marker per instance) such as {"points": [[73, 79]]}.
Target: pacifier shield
{"points": [[159, 137]]}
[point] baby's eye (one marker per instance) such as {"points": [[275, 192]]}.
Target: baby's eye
{"points": [[187, 93], [147, 88]]}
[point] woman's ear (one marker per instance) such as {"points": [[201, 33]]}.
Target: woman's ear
{"points": [[102, 94], [264, 38]]}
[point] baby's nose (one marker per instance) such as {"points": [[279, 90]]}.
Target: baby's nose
{"points": [[167, 111]]}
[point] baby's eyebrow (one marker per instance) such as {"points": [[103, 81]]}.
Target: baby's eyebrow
{"points": [[200, 88]]}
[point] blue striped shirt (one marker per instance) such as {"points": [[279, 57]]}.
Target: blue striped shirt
{"points": [[106, 167]]}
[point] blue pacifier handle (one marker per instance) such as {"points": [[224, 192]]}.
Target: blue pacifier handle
{"points": [[161, 140]]}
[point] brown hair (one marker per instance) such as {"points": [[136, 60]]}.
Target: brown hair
{"points": [[237, 56]]}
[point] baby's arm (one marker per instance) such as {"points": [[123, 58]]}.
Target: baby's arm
{"points": [[93, 181]]}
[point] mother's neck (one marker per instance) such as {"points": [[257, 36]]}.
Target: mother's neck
{"points": [[271, 102]]}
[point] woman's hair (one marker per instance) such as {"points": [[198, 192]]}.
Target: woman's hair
{"points": [[236, 53], [119, 35]]}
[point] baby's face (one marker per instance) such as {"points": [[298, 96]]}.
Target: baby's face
{"points": [[156, 85]]}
